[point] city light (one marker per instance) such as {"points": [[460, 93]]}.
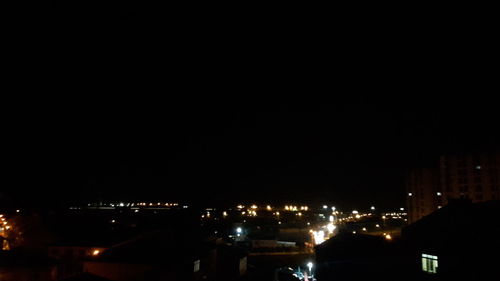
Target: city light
{"points": [[355, 212], [330, 227], [96, 252], [377, 225], [388, 237], [372, 208], [268, 208], [364, 228], [254, 207], [410, 194], [330, 218], [224, 214], [333, 209], [310, 266], [319, 237], [325, 207], [238, 230], [438, 193]]}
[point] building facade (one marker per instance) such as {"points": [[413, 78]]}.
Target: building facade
{"points": [[475, 177]]}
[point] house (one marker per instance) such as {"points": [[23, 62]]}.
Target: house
{"points": [[158, 256], [361, 257], [457, 242]]}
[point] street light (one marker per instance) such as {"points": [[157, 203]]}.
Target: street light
{"points": [[239, 230], [310, 266]]}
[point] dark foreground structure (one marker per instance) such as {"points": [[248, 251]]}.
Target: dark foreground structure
{"points": [[458, 242]]}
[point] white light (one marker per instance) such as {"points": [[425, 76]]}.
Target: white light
{"points": [[325, 207], [319, 237], [330, 218], [310, 266], [95, 252], [113, 221], [377, 225], [330, 227], [410, 194], [364, 228], [121, 204], [372, 208], [402, 209], [354, 232], [355, 212], [137, 211], [478, 167], [238, 230], [17, 211], [333, 209], [388, 237], [438, 193]]}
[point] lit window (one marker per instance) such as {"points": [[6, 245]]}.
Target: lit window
{"points": [[429, 263], [196, 266]]}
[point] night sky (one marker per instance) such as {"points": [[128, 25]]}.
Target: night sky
{"points": [[138, 107], [352, 152]]}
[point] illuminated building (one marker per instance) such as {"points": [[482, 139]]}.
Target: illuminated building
{"points": [[475, 177]]}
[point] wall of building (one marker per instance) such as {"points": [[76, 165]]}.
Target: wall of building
{"points": [[467, 176]]}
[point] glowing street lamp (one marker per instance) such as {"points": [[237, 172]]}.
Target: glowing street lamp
{"points": [[239, 230], [310, 266]]}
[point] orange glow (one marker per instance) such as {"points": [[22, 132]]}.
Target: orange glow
{"points": [[96, 252]]}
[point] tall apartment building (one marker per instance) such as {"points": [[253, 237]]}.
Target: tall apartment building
{"points": [[462, 176]]}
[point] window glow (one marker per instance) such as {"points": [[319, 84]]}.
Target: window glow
{"points": [[429, 263], [196, 266]]}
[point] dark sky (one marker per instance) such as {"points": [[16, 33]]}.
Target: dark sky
{"points": [[216, 150], [158, 106]]}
